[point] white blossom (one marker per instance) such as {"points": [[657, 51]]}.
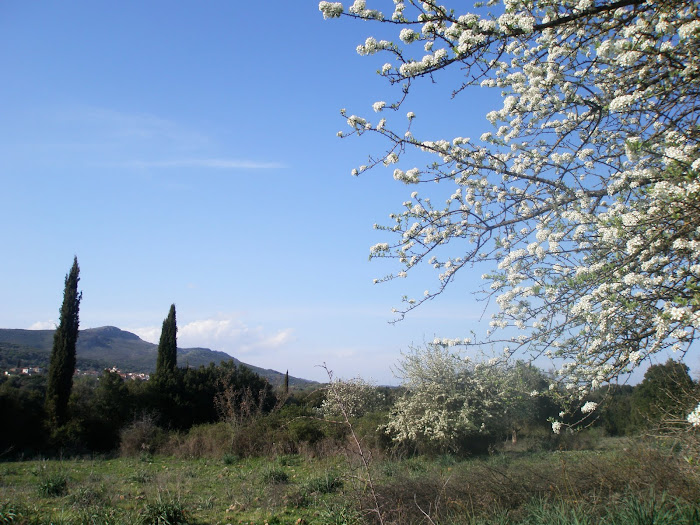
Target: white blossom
{"points": [[589, 407], [694, 417], [331, 9]]}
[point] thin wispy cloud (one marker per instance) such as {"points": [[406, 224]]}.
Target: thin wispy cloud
{"points": [[138, 127], [223, 164]]}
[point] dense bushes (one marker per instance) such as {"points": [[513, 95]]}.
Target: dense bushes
{"points": [[22, 409], [105, 410], [226, 410]]}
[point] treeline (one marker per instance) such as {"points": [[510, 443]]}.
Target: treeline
{"points": [[101, 408], [446, 404], [225, 409], [664, 398]]}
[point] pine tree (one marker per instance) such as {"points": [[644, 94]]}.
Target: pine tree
{"points": [[167, 347], [62, 364]]}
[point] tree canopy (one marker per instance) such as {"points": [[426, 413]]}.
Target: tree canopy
{"points": [[62, 363], [167, 346], [582, 194]]}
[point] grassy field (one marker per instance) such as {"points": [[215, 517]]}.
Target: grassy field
{"points": [[626, 482]]}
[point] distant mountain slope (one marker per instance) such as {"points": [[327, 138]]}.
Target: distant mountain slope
{"points": [[109, 346]]}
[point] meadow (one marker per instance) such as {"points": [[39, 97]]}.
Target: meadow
{"points": [[607, 480]]}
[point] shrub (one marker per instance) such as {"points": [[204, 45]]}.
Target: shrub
{"points": [[162, 512], [275, 476], [53, 484], [326, 484], [305, 430], [370, 428], [209, 440], [141, 476], [85, 497], [142, 436], [230, 459], [340, 515]]}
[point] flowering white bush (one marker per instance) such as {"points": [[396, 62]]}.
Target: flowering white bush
{"points": [[354, 397], [584, 194], [450, 398]]}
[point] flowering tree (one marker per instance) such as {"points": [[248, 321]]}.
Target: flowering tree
{"points": [[583, 196], [452, 402], [351, 397]]}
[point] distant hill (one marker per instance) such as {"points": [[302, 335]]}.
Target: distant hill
{"points": [[108, 346]]}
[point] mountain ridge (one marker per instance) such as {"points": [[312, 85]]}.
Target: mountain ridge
{"points": [[108, 346]]}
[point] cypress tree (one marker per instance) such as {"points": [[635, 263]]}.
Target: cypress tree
{"points": [[167, 347], [62, 363]]}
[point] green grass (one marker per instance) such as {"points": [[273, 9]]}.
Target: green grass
{"points": [[620, 484], [164, 490]]}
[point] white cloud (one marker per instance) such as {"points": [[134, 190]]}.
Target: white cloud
{"points": [[44, 325], [277, 340], [147, 333], [225, 333]]}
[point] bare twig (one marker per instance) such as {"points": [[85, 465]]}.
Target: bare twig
{"points": [[364, 457]]}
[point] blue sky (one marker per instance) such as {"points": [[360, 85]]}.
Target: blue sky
{"points": [[186, 152]]}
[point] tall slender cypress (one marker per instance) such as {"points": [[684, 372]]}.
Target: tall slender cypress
{"points": [[167, 347], [62, 364]]}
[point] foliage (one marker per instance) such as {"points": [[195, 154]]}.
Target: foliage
{"points": [[62, 364], [100, 408], [53, 484], [142, 436], [453, 403], [616, 415], [667, 392], [325, 484], [275, 475], [241, 394], [164, 512], [584, 194], [167, 347], [22, 402]]}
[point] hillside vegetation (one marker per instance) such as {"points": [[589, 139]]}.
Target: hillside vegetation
{"points": [[108, 346]]}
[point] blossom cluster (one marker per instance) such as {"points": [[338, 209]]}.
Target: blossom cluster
{"points": [[694, 417]]}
